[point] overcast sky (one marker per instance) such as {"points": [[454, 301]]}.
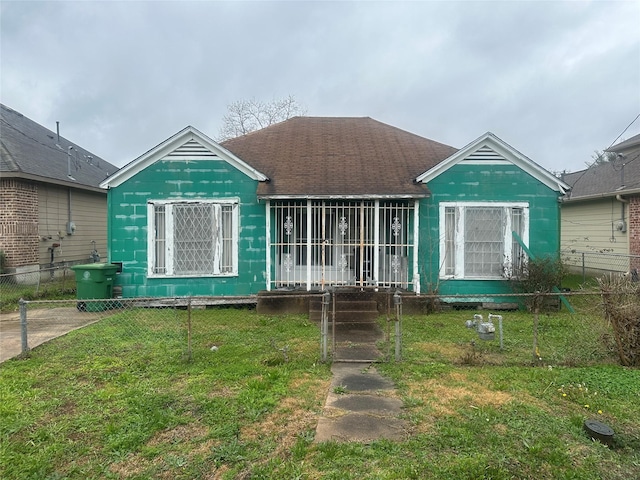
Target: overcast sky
{"points": [[555, 80]]}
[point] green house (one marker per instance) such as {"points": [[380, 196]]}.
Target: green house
{"points": [[481, 196], [316, 202]]}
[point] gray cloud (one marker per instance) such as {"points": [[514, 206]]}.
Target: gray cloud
{"points": [[557, 80]]}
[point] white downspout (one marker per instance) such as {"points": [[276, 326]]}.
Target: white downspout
{"points": [[622, 200]]}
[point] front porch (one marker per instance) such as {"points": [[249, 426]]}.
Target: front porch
{"points": [[316, 244]]}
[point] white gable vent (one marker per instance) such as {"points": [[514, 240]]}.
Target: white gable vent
{"points": [[485, 155], [190, 150]]}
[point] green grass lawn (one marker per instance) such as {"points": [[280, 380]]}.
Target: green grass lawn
{"points": [[120, 399]]}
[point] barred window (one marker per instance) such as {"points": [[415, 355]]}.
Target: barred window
{"points": [[477, 239], [192, 238]]}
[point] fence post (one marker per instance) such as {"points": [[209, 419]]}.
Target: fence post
{"points": [[333, 324], [397, 301], [326, 301], [584, 275], [23, 326], [536, 322], [189, 329], [387, 338]]}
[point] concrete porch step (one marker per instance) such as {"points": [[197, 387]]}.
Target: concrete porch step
{"points": [[346, 310]]}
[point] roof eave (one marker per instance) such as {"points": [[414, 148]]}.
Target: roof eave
{"points": [[344, 197], [597, 196], [52, 181]]}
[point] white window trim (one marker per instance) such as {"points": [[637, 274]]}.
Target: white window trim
{"points": [[459, 236], [151, 204]]}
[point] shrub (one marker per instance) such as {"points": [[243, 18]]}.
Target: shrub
{"points": [[539, 277], [621, 305]]}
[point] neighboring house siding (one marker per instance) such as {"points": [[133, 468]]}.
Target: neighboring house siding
{"points": [[176, 179], [502, 184], [19, 222], [633, 229], [590, 226], [88, 212]]}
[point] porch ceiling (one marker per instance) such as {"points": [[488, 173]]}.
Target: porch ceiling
{"points": [[328, 157]]}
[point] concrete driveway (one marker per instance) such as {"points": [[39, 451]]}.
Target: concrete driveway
{"points": [[42, 326]]}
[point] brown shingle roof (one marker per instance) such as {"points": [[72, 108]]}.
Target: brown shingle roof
{"points": [[337, 157]]}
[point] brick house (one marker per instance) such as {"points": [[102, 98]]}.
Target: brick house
{"points": [[52, 211], [601, 212]]}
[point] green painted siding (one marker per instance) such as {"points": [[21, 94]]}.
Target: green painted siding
{"points": [[485, 183], [186, 180]]}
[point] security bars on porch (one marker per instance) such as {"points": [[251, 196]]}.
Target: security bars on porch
{"points": [[319, 243]]}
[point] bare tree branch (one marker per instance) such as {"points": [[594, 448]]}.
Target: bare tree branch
{"points": [[245, 116]]}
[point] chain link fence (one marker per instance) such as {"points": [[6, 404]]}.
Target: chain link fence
{"points": [[128, 324], [52, 282], [341, 326], [591, 264]]}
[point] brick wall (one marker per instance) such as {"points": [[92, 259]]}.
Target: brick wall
{"points": [[19, 222], [634, 229]]}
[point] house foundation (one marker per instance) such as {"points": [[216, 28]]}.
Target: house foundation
{"points": [[352, 302]]}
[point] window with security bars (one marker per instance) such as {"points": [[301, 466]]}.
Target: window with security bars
{"points": [[364, 242], [195, 238], [477, 239]]}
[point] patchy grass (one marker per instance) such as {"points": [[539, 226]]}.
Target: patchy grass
{"points": [[120, 400]]}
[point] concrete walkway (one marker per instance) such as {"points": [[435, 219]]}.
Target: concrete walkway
{"points": [[361, 407]]}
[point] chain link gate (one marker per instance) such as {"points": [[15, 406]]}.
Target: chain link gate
{"points": [[351, 326]]}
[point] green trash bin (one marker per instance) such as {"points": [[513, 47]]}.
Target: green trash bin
{"points": [[94, 281]]}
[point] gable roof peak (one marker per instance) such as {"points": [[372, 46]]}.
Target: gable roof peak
{"points": [[502, 152], [160, 151]]}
